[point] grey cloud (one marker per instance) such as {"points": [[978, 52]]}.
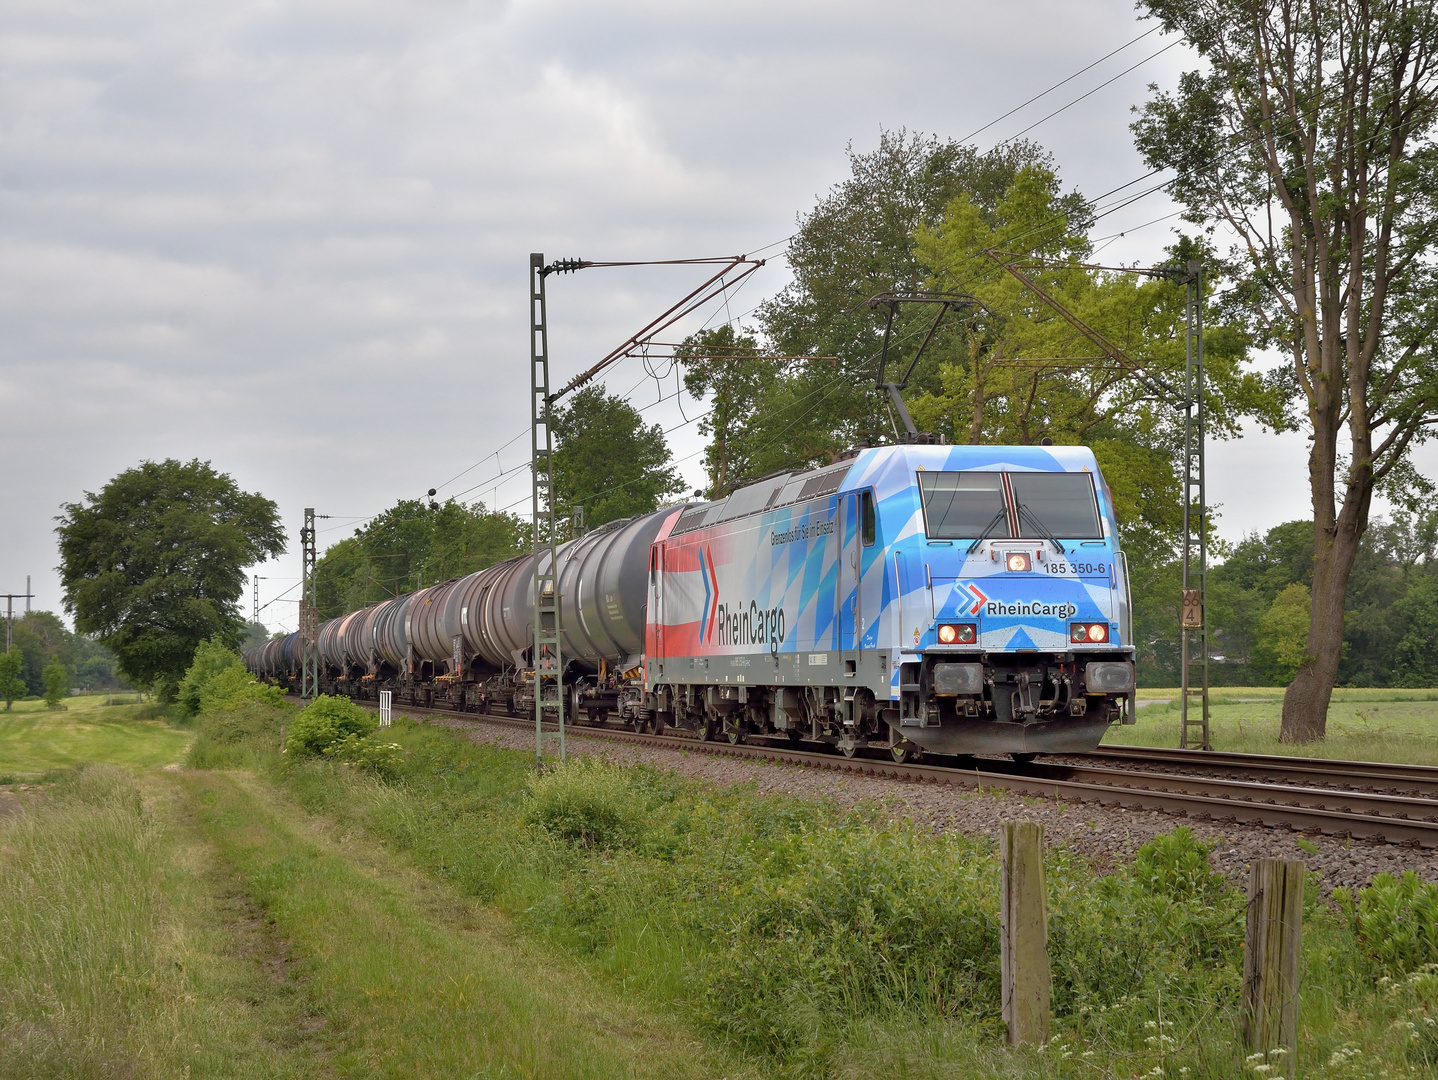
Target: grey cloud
{"points": [[293, 239]]}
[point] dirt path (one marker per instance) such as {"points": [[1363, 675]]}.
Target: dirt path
{"points": [[407, 978]]}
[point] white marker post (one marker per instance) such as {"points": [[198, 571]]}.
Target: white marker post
{"points": [[384, 714]]}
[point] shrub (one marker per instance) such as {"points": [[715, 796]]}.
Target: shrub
{"points": [[1396, 919], [211, 657], [233, 688], [1175, 865], [587, 802], [381, 758], [57, 683], [217, 679], [324, 722]]}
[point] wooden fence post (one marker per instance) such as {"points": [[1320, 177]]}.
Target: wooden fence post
{"points": [[1270, 958], [1023, 932]]}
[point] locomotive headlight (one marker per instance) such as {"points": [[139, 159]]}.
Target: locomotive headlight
{"points": [[1098, 632], [1091, 632], [958, 633], [1018, 562]]}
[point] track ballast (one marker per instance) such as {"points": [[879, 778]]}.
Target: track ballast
{"points": [[1380, 802]]}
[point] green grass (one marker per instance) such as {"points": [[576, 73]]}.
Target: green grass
{"points": [[121, 945], [35, 740], [834, 943], [159, 923], [415, 980], [280, 915], [1363, 724]]}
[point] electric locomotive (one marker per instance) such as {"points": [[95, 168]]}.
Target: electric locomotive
{"points": [[914, 598]]}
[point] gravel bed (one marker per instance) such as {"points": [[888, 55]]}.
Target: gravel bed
{"points": [[1103, 834]]}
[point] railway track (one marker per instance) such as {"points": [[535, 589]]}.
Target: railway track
{"points": [[1333, 773], [1396, 804]]}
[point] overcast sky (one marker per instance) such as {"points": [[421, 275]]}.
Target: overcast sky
{"points": [[292, 238]]}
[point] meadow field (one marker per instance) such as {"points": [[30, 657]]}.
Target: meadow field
{"points": [[1363, 724], [198, 896]]}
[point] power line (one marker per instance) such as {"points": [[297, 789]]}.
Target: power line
{"points": [[1096, 89], [1061, 82]]}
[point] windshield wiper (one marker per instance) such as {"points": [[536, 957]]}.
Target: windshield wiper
{"points": [[1044, 530], [984, 532]]}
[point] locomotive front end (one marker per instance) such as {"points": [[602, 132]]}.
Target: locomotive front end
{"points": [[1020, 638]]}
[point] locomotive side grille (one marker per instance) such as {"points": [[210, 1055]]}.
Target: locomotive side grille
{"points": [[824, 483], [691, 519]]}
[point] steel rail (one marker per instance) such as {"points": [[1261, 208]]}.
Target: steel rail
{"points": [[1331, 812], [1335, 771]]}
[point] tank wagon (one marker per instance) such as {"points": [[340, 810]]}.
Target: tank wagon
{"points": [[948, 599]]}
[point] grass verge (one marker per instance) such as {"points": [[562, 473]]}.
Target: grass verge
{"points": [[826, 942], [120, 946], [413, 980]]}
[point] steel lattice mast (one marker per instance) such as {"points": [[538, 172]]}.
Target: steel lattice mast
{"points": [[309, 613], [1193, 623], [548, 663]]}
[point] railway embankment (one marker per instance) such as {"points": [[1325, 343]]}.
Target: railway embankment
{"points": [[1106, 834]]}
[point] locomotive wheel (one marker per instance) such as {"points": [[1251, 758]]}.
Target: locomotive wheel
{"points": [[706, 731], [656, 726], [849, 749], [734, 735]]}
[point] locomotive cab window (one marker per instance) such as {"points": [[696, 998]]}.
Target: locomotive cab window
{"points": [[866, 518], [964, 505], [1061, 505]]}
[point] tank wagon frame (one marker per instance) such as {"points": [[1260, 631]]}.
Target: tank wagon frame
{"points": [[948, 599]]}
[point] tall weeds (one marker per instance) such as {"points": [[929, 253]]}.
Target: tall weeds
{"points": [[78, 874]]}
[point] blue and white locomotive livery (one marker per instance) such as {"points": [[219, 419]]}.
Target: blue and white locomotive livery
{"points": [[951, 599], [939, 599]]}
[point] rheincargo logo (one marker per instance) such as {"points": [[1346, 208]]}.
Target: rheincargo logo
{"points": [[1048, 611], [751, 626]]}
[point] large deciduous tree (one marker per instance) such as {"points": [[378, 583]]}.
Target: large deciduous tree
{"points": [[608, 460], [154, 563], [1021, 373], [859, 240], [1310, 136], [729, 370]]}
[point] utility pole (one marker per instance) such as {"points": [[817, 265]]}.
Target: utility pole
{"points": [[10, 599], [548, 663], [1193, 618], [309, 615], [1193, 623]]}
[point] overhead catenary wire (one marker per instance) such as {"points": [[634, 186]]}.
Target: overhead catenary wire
{"points": [[1095, 90], [726, 291], [725, 288]]}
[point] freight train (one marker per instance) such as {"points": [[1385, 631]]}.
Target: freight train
{"points": [[939, 599]]}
